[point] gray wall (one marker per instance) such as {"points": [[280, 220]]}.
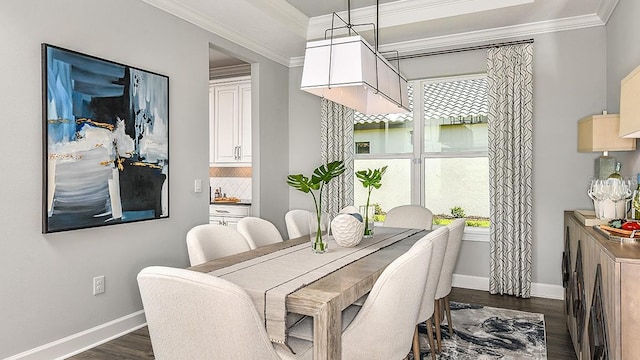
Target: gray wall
{"points": [[623, 55], [569, 83], [304, 136], [46, 280], [270, 161]]}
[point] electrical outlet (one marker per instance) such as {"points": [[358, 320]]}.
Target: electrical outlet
{"points": [[98, 285]]}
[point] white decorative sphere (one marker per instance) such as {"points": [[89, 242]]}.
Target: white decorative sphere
{"points": [[347, 230]]}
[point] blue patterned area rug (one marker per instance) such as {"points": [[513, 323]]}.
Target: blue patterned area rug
{"points": [[482, 332]]}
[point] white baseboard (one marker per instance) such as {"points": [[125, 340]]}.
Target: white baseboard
{"points": [[84, 340], [548, 291]]}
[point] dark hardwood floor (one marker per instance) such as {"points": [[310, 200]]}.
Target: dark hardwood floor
{"points": [[136, 345]]}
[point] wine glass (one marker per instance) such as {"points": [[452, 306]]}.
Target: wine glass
{"points": [[628, 194], [617, 192], [599, 191]]}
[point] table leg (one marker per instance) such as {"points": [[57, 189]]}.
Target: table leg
{"points": [[327, 333]]}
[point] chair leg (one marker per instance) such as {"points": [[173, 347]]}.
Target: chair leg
{"points": [[436, 317], [416, 344], [432, 347], [447, 307]]}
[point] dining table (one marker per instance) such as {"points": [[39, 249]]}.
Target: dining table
{"points": [[287, 278]]}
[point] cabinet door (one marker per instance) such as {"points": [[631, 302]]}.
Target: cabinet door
{"points": [[225, 121], [244, 140]]}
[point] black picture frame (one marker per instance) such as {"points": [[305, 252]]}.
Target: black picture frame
{"points": [[105, 142]]}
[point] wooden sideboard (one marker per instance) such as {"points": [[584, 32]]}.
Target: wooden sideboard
{"points": [[587, 252]]}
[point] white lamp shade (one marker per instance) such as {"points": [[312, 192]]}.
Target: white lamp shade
{"points": [[344, 70], [630, 105]]}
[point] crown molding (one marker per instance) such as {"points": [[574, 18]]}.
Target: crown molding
{"points": [[408, 12], [297, 61], [294, 20], [197, 18], [484, 36], [605, 9], [230, 71]]}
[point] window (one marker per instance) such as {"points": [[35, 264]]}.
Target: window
{"points": [[436, 154]]}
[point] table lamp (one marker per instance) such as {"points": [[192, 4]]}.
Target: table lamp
{"points": [[600, 133]]}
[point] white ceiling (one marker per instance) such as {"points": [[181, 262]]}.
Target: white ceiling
{"points": [[279, 29]]}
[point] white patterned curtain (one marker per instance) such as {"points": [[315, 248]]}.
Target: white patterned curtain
{"points": [[337, 144], [510, 80]]}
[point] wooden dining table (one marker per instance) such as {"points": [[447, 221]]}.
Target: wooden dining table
{"points": [[325, 298]]}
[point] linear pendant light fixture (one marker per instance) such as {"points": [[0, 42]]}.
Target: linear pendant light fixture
{"points": [[348, 71]]}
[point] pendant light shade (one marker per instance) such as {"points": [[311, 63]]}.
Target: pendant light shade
{"points": [[348, 71]]}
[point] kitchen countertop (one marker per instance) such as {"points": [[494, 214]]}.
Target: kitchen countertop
{"points": [[241, 202]]}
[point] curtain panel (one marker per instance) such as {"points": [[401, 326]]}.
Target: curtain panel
{"points": [[510, 82], [336, 132]]}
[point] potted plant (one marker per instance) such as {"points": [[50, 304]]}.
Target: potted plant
{"points": [[370, 179], [321, 176]]}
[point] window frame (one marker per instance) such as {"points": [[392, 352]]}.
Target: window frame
{"points": [[417, 157]]}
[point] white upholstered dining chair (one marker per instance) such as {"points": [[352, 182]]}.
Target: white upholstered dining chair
{"points": [[297, 221], [456, 230], [193, 315], [409, 216], [439, 237], [210, 241], [384, 325], [258, 232]]}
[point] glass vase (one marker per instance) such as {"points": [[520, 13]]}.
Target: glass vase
{"points": [[319, 232], [368, 213]]}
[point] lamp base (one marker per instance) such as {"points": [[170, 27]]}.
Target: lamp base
{"points": [[605, 166]]}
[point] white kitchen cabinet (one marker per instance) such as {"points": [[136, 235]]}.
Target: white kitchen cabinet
{"points": [[228, 215], [230, 122]]}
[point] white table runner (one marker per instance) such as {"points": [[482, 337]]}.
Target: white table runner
{"points": [[270, 278]]}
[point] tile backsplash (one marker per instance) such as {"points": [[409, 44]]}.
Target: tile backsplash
{"points": [[234, 181], [239, 172]]}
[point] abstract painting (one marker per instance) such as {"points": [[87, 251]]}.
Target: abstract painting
{"points": [[105, 142]]}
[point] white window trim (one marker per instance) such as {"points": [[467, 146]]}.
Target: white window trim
{"points": [[478, 234], [473, 233]]}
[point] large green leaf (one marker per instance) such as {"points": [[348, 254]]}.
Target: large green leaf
{"points": [[321, 175], [324, 173], [371, 178], [302, 183]]}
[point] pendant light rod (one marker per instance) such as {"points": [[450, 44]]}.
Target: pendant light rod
{"points": [[349, 16], [350, 28], [377, 24]]}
